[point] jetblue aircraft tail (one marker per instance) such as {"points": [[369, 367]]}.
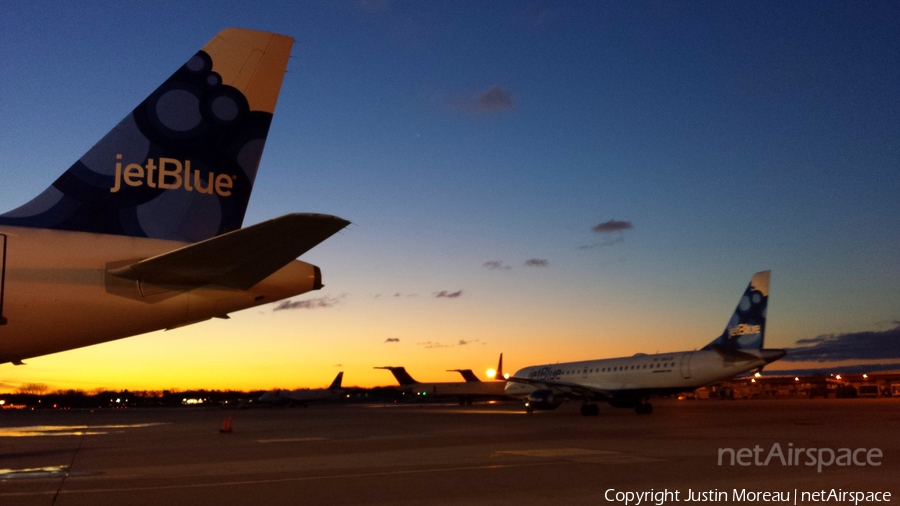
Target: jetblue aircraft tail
{"points": [[336, 384], [747, 327], [143, 232], [181, 166]]}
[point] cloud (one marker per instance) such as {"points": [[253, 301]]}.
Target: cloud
{"points": [[321, 302], [339, 365], [392, 340], [444, 294], [868, 345], [617, 227], [612, 226], [495, 265], [493, 100], [463, 342], [537, 262], [430, 344]]}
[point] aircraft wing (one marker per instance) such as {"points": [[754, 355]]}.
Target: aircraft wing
{"points": [[565, 389], [238, 259]]}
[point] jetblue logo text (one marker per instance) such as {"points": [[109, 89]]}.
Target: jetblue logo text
{"points": [[744, 329], [170, 174], [545, 373]]}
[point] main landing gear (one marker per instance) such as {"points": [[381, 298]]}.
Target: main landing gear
{"points": [[590, 409], [643, 408]]}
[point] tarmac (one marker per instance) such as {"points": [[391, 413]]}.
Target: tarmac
{"points": [[419, 454]]}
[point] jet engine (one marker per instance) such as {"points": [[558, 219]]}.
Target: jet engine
{"points": [[543, 400]]}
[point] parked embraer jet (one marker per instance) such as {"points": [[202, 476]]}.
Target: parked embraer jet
{"points": [[303, 397], [629, 382], [144, 232], [465, 391]]}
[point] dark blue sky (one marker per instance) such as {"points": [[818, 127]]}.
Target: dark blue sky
{"points": [[734, 137]]}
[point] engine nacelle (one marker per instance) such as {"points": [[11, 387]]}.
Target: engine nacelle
{"points": [[543, 400]]}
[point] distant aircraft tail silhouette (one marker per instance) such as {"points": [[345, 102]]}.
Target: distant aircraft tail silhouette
{"points": [[336, 384]]}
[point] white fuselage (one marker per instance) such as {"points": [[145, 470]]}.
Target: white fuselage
{"points": [[650, 374], [57, 294]]}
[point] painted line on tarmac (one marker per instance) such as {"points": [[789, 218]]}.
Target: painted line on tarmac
{"points": [[279, 480]]}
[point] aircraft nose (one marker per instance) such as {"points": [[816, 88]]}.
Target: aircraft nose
{"points": [[772, 355]]}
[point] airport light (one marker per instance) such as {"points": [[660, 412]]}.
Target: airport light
{"points": [[865, 376], [837, 377], [796, 378], [757, 375]]}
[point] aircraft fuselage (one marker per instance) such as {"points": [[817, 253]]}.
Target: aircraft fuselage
{"points": [[58, 295]]}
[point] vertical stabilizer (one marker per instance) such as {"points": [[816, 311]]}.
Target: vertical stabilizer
{"points": [[467, 375], [336, 384], [182, 164], [747, 327], [400, 375]]}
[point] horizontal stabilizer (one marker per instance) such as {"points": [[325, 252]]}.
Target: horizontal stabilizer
{"points": [[238, 259]]}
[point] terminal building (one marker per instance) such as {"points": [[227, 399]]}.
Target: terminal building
{"points": [[881, 384]]}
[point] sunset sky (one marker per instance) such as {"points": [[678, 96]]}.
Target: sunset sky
{"points": [[550, 180]]}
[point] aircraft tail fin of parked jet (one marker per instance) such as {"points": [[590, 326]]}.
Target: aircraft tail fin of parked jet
{"points": [[336, 384], [747, 327], [182, 164], [467, 374], [400, 375]]}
